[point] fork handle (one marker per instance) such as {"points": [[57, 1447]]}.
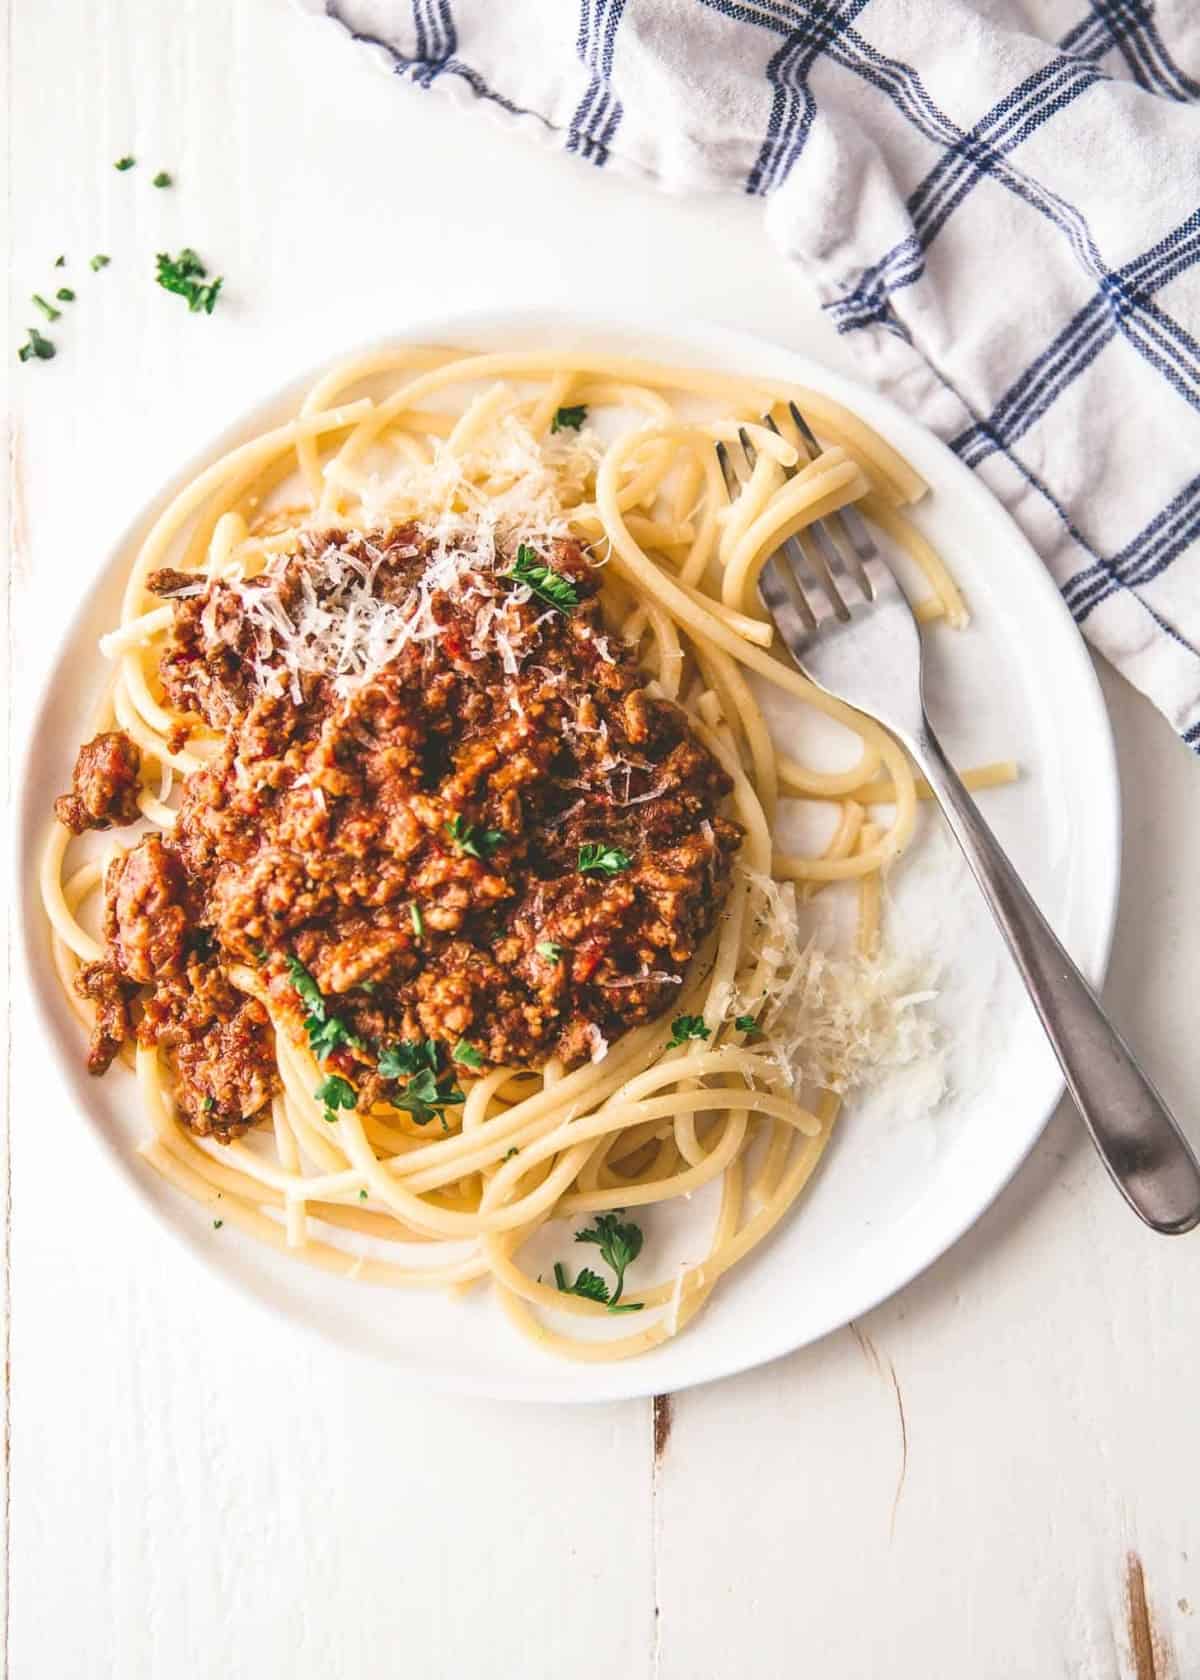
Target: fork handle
{"points": [[1139, 1142]]}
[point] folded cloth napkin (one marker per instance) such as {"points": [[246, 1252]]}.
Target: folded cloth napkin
{"points": [[995, 201]]}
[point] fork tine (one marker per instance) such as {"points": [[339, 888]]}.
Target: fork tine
{"points": [[805, 430], [732, 482], [847, 525]]}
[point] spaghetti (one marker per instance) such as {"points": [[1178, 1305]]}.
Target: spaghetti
{"points": [[459, 463]]}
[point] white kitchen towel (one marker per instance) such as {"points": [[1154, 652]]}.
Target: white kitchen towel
{"points": [[996, 201]]}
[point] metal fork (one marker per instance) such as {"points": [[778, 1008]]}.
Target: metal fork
{"points": [[849, 627]]}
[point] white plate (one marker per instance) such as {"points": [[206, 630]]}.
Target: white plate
{"points": [[899, 1184]]}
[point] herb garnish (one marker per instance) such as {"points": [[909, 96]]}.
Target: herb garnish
{"points": [[620, 1243], [569, 419], [124, 163], [362, 1195], [184, 275], [509, 1153], [100, 261], [684, 1027], [47, 309], [550, 586], [335, 1092], [60, 262], [64, 294], [217, 1224], [746, 1024], [474, 842], [598, 859], [325, 1031], [162, 179], [467, 1054], [425, 1094], [209, 1103], [416, 918], [549, 950], [38, 347]]}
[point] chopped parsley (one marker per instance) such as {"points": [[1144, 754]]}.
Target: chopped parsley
{"points": [[47, 309], [100, 261], [598, 859], [162, 179], [326, 1033], [684, 1027], [209, 1103], [36, 347], [362, 1195], [425, 1093], [467, 1054], [416, 918], [470, 841], [335, 1092], [569, 419], [186, 275], [124, 163], [217, 1224], [64, 294], [547, 584], [549, 950], [620, 1243], [746, 1024], [60, 262], [509, 1153]]}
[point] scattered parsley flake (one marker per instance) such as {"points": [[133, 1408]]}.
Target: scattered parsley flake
{"points": [[569, 419], [746, 1024], [470, 841], [549, 950], [509, 1153], [47, 309], [60, 262], [467, 1054], [684, 1027], [217, 1224], [162, 179], [209, 1103], [416, 918], [362, 1195], [124, 163], [408, 1055], [100, 261], [423, 1097], [64, 294], [186, 275], [598, 859], [547, 584], [36, 348]]}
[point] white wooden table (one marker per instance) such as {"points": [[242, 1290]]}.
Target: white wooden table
{"points": [[995, 1475]]}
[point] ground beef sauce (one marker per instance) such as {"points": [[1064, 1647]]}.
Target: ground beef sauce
{"points": [[410, 831]]}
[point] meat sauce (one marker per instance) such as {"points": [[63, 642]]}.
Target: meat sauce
{"points": [[497, 842]]}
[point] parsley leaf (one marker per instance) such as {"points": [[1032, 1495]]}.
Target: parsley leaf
{"points": [[209, 1103], [162, 179], [569, 419], [684, 1027], [335, 1092], [598, 859], [64, 294], [408, 1055], [326, 1033], [36, 347], [509, 1153], [362, 1195], [60, 262], [549, 950], [547, 584], [746, 1024], [100, 261], [217, 1224], [184, 275], [124, 163], [590, 1285], [467, 1054], [423, 1097], [416, 918], [47, 309], [474, 842], [619, 1242]]}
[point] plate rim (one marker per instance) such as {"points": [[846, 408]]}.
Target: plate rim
{"points": [[885, 415]]}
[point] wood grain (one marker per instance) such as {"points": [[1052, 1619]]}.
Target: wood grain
{"points": [[193, 1488]]}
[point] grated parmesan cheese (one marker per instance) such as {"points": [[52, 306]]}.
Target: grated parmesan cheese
{"points": [[840, 1022]]}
